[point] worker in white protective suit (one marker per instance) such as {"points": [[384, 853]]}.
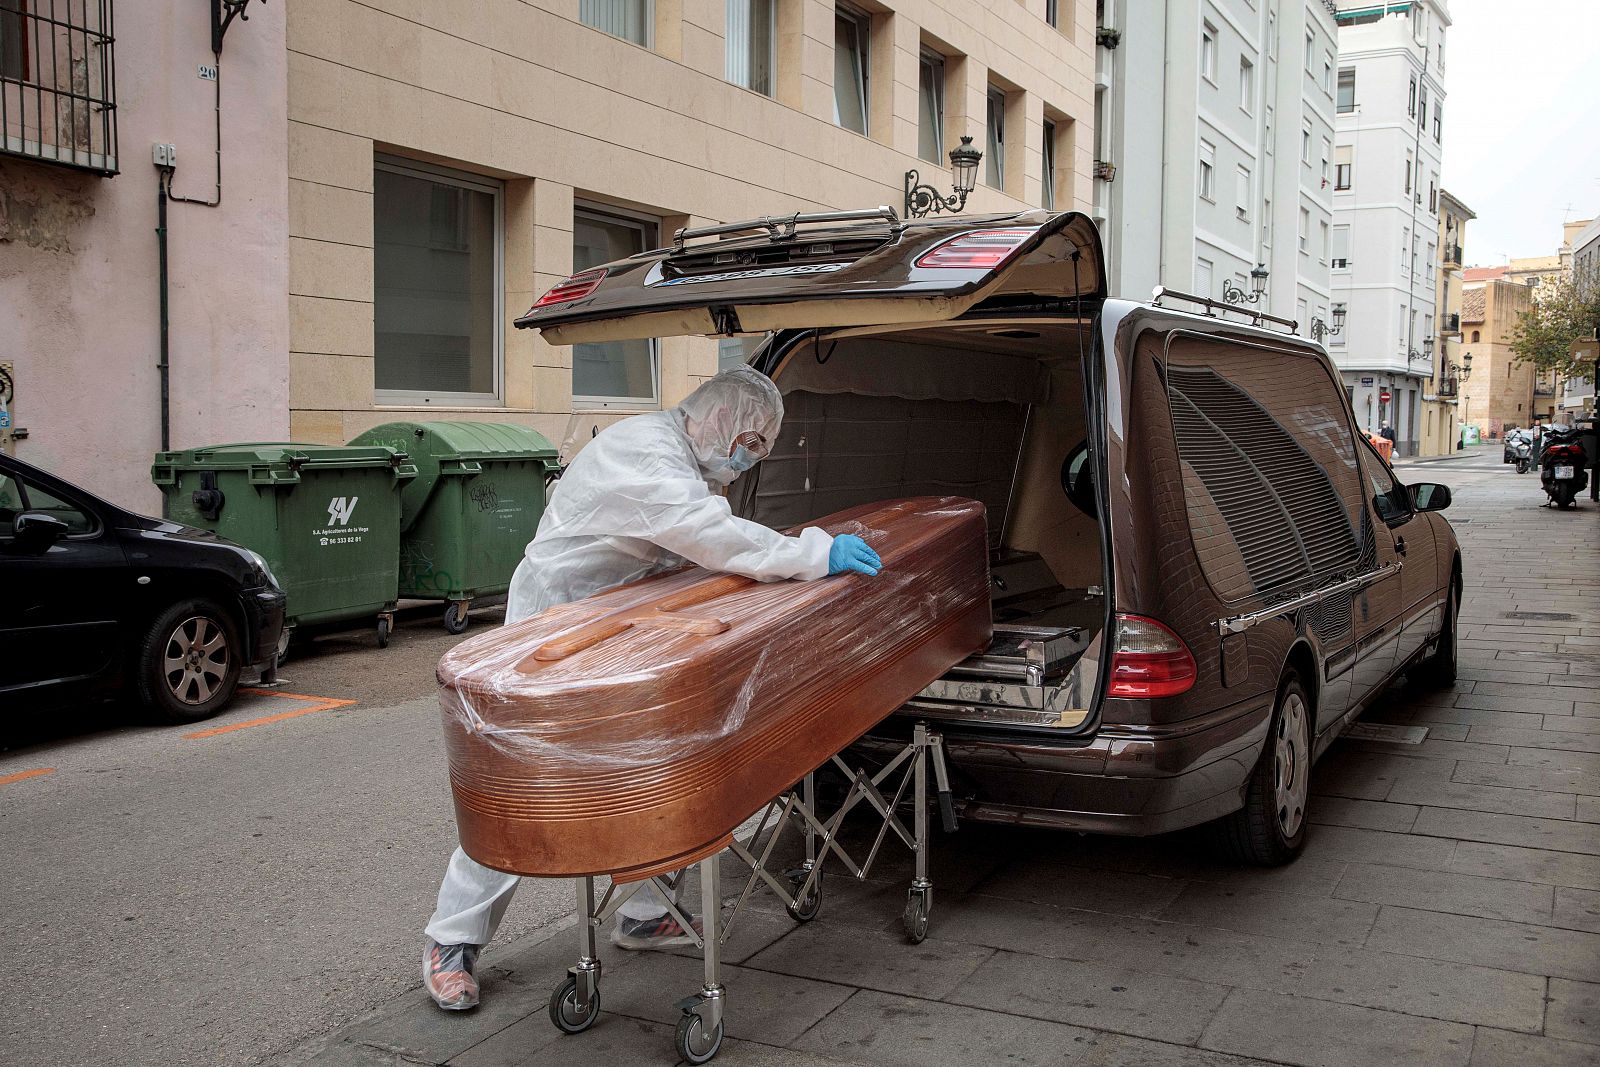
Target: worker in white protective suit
{"points": [[643, 496]]}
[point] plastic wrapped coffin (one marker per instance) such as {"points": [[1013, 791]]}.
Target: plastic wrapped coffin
{"points": [[629, 733]]}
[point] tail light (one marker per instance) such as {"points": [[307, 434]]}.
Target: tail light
{"points": [[1565, 451], [1149, 660], [576, 287], [979, 250]]}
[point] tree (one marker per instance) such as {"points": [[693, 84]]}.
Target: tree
{"points": [[1567, 310]]}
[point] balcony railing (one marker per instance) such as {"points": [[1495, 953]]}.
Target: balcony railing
{"points": [[1452, 322], [1452, 255], [1448, 387], [58, 98]]}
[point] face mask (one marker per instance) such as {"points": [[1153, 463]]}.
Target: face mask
{"points": [[742, 459]]}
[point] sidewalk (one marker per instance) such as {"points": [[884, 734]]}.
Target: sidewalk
{"points": [[1446, 909]]}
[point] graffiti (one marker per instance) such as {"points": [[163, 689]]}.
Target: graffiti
{"points": [[484, 496], [418, 572]]}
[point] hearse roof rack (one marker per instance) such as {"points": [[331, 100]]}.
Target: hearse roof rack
{"points": [[1161, 292], [783, 227]]}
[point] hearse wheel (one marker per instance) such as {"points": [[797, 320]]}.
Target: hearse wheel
{"points": [[1438, 670], [1269, 830]]}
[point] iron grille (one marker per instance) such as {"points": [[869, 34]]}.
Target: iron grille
{"points": [[58, 98]]}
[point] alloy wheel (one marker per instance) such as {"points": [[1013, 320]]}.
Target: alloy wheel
{"points": [[195, 660], [1292, 765]]}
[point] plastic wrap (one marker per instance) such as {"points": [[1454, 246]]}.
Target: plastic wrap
{"points": [[630, 733]]}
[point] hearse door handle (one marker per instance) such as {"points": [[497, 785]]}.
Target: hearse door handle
{"points": [[1400, 545]]}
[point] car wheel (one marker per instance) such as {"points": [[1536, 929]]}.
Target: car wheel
{"points": [[1271, 827], [189, 663], [1438, 670]]}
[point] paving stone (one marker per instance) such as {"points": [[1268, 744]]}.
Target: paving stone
{"points": [[350, 1054], [1475, 714], [1522, 706], [753, 1054], [1566, 742], [1584, 708], [1310, 875], [1119, 892], [1119, 1050], [1517, 777], [1462, 894], [1433, 989], [1497, 1048], [1317, 1033], [1256, 911], [1524, 661], [1558, 835], [874, 960], [1490, 674], [1489, 943], [612, 1040], [1550, 647], [1582, 724], [1587, 808], [1577, 909], [1487, 798], [1365, 775], [411, 1025], [1527, 864], [1106, 997], [1518, 693], [1353, 845], [1371, 814], [881, 1028], [1441, 750], [1574, 1012]]}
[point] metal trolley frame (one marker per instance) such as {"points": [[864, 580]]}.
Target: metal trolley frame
{"points": [[575, 1003]]}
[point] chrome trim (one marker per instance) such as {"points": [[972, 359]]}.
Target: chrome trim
{"points": [[782, 227], [1161, 292], [1238, 624]]}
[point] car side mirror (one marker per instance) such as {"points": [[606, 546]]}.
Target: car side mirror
{"points": [[1429, 496], [36, 531]]}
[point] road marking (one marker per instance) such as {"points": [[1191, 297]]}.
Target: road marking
{"points": [[317, 704], [37, 772]]}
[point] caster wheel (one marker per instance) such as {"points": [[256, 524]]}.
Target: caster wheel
{"points": [[384, 627], [455, 618], [805, 910], [915, 917], [694, 1044], [564, 1010]]}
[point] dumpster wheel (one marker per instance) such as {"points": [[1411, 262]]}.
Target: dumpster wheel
{"points": [[385, 627], [455, 616]]}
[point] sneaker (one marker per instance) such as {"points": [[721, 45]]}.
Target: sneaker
{"points": [[447, 972], [643, 934]]}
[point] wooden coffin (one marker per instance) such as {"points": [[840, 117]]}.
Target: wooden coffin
{"points": [[630, 733]]}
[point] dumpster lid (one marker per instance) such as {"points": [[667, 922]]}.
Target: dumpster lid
{"points": [[292, 454], [461, 440]]}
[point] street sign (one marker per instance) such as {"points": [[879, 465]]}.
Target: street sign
{"points": [[1367, 380], [1384, 396]]}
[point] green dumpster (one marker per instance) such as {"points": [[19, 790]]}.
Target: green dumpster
{"points": [[472, 509], [326, 517]]}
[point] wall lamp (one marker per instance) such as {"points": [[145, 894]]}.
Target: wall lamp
{"points": [[923, 200]]}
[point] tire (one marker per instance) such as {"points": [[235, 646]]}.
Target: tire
{"points": [[189, 661], [1438, 670], [455, 618], [564, 1012], [1522, 466], [1564, 495], [1269, 830]]}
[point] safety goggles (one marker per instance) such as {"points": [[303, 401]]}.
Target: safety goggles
{"points": [[752, 442]]}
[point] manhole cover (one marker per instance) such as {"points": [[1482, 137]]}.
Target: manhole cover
{"points": [[1542, 616], [1377, 731]]}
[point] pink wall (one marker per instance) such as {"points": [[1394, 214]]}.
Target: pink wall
{"points": [[78, 262]]}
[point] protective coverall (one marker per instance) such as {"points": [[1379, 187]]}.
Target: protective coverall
{"points": [[642, 497]]}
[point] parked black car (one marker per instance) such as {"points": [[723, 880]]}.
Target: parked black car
{"points": [[100, 601]]}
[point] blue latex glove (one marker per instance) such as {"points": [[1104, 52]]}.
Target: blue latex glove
{"points": [[850, 553]]}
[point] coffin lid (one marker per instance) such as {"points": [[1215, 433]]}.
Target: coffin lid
{"points": [[820, 271]]}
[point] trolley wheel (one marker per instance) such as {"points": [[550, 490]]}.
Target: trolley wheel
{"points": [[384, 626], [564, 1010], [915, 917], [694, 1044], [455, 617], [805, 910]]}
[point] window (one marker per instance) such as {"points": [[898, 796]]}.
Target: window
{"points": [[1052, 12], [1311, 49], [1322, 244], [930, 108], [1339, 255], [1409, 166], [1305, 144], [1422, 109], [1389, 498], [1267, 116], [632, 20], [751, 43], [1427, 325], [852, 32], [1405, 245], [17, 496], [994, 156], [735, 351], [1427, 266], [1208, 53], [437, 291], [1343, 160], [1441, 47], [1305, 229], [612, 373], [1203, 278], [1411, 105], [1433, 194], [1327, 73], [1247, 85], [58, 103], [1419, 24], [1347, 89], [1242, 195], [1438, 107], [1208, 166], [1327, 151], [1049, 171], [1474, 336], [14, 40]]}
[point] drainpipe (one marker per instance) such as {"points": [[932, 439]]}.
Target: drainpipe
{"points": [[163, 365]]}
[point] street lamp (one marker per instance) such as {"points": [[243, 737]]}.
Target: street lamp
{"points": [[923, 200], [1320, 329], [1232, 294], [1466, 365], [1425, 356]]}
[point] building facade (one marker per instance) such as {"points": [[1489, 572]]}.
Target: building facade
{"points": [[1441, 420], [449, 163], [1577, 397], [1387, 155], [1499, 396], [84, 300], [1214, 149]]}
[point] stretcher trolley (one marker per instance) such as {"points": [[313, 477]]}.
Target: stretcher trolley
{"points": [[575, 1003]]}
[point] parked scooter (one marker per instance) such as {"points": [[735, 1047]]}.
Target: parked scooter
{"points": [[1521, 450], [1561, 464]]}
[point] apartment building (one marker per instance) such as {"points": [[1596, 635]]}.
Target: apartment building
{"points": [[1387, 152], [1578, 393], [1441, 421], [1214, 151], [450, 162], [1500, 395]]}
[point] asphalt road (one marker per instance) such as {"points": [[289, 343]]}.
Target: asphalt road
{"points": [[188, 896]]}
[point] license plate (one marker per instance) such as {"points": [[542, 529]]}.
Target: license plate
{"points": [[1565, 471]]}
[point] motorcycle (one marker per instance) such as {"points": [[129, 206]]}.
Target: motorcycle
{"points": [[1561, 466], [1521, 450]]}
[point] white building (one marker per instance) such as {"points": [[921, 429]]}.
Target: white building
{"points": [[1218, 119], [1386, 207]]}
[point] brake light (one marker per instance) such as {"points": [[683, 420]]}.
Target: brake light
{"points": [[978, 250], [1149, 660], [1563, 451], [576, 287]]}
